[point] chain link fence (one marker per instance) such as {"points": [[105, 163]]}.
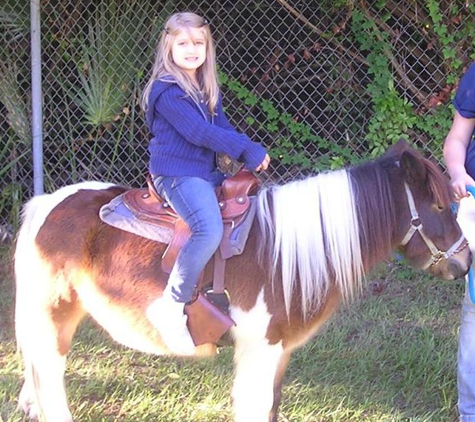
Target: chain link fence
{"points": [[322, 83]]}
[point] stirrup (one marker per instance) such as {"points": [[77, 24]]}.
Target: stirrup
{"points": [[206, 322]]}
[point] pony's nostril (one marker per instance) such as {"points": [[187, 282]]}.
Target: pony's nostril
{"points": [[457, 270]]}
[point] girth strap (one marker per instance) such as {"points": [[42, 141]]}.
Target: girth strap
{"points": [[218, 273]]}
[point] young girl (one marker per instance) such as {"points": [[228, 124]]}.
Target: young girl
{"points": [[188, 127], [459, 156]]}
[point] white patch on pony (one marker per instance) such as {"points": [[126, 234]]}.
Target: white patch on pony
{"points": [[256, 362], [253, 323], [316, 233]]}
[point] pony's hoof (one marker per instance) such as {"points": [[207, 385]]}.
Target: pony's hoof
{"points": [[27, 405], [29, 408]]}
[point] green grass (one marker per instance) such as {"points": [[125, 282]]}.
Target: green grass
{"points": [[390, 356]]}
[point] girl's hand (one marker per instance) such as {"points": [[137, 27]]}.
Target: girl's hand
{"points": [[265, 163], [460, 185]]}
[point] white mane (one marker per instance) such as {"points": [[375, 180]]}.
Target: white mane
{"points": [[311, 228]]}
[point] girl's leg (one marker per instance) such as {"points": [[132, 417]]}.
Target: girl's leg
{"points": [[194, 199]]}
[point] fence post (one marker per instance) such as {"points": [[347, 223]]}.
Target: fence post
{"points": [[36, 98]]}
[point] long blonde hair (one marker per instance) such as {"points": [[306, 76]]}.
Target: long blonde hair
{"points": [[207, 74]]}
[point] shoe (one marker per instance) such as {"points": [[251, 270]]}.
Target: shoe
{"points": [[168, 317]]}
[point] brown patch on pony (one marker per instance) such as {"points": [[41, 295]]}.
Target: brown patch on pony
{"points": [[101, 252], [295, 329], [65, 218], [66, 317]]}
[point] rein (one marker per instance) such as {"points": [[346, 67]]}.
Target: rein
{"points": [[471, 288], [416, 226]]}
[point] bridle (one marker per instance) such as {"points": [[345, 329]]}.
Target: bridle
{"points": [[416, 226]]}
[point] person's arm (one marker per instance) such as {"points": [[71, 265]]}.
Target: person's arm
{"points": [[455, 151], [186, 120], [222, 121]]}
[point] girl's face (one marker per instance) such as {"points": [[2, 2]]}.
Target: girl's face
{"points": [[189, 50]]}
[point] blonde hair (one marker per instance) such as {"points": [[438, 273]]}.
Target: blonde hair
{"points": [[207, 74]]}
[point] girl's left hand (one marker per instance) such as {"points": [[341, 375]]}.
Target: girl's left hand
{"points": [[265, 163]]}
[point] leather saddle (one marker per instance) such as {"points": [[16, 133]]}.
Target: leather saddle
{"points": [[208, 318], [233, 199]]}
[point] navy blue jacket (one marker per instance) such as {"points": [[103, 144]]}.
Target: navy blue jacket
{"points": [[464, 103], [186, 138]]}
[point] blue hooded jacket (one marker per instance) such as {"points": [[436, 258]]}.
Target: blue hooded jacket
{"points": [[464, 103], [186, 138]]}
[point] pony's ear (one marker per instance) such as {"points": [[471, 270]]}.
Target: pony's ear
{"points": [[398, 148], [413, 168]]}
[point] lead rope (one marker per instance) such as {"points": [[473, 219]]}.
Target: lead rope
{"points": [[471, 288]]}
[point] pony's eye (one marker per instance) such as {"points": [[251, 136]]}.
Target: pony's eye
{"points": [[439, 207]]}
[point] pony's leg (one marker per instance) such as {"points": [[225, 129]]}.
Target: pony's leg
{"points": [[257, 364], [27, 400], [44, 337], [279, 378], [40, 400]]}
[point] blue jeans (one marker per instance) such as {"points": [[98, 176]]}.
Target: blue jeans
{"points": [[466, 352], [466, 361], [194, 200]]}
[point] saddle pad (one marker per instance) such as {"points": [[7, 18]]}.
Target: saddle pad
{"points": [[116, 214], [234, 243]]}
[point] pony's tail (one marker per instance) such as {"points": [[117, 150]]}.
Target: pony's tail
{"points": [[24, 259], [28, 272]]}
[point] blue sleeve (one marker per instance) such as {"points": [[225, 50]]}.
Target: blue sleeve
{"points": [[464, 101], [470, 160]]}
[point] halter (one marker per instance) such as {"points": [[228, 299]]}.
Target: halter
{"points": [[416, 226]]}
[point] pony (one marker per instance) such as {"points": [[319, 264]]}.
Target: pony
{"points": [[311, 244]]}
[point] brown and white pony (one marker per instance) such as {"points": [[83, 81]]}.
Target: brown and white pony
{"points": [[309, 249]]}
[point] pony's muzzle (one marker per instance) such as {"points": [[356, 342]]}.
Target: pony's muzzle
{"points": [[455, 267]]}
